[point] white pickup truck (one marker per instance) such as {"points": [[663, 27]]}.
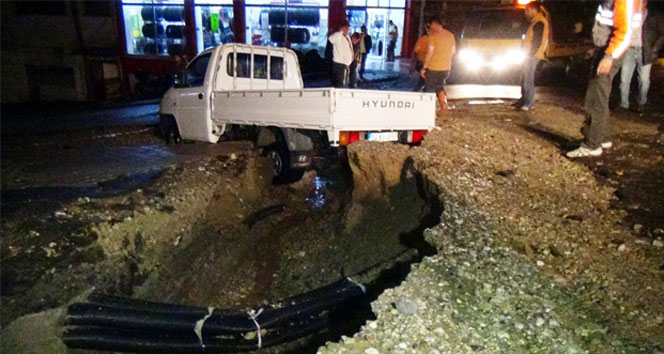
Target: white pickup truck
{"points": [[236, 86]]}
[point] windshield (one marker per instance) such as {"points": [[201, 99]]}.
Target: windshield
{"points": [[496, 24]]}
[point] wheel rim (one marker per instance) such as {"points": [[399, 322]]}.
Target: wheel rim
{"points": [[277, 164]]}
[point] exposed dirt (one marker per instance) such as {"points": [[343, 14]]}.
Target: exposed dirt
{"points": [[212, 231]]}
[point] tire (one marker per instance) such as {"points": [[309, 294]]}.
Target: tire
{"points": [[280, 158], [169, 129]]}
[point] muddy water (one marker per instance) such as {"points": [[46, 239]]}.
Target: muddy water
{"points": [[292, 239]]}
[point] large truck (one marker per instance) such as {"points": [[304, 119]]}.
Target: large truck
{"points": [[491, 42], [238, 87]]}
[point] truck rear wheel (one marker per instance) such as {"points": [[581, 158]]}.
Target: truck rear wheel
{"points": [[280, 158]]}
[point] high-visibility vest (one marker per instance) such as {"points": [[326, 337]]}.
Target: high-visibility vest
{"points": [[615, 23], [539, 18]]}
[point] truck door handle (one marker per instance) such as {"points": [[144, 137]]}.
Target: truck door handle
{"points": [[200, 96]]}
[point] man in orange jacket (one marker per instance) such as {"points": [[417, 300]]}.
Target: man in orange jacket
{"points": [[615, 25]]}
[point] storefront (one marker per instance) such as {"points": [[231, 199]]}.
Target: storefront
{"points": [[154, 31]]}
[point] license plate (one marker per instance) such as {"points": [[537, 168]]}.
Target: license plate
{"points": [[383, 136]]}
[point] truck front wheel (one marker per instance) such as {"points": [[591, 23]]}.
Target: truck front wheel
{"points": [[169, 129], [280, 158]]}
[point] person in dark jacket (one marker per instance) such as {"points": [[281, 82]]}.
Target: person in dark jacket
{"points": [[365, 49], [642, 56]]}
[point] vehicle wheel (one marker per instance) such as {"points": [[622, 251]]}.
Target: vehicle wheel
{"points": [[280, 158], [169, 130]]}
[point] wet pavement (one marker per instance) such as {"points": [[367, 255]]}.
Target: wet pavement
{"points": [[59, 152]]}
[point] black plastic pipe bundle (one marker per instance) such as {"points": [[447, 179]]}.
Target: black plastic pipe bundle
{"points": [[119, 324]]}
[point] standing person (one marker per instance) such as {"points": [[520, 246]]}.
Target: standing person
{"points": [[641, 54], [393, 33], [356, 39], [535, 45], [365, 48], [438, 61], [418, 57], [612, 33], [342, 55]]}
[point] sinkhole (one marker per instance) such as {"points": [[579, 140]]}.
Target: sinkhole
{"points": [[358, 221]]}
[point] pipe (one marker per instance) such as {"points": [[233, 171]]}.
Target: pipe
{"points": [[112, 339], [136, 314]]}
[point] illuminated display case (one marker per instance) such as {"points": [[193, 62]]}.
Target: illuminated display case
{"points": [[375, 14], [154, 27], [214, 23], [300, 23]]}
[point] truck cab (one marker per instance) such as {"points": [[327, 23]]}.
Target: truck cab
{"points": [[491, 41]]}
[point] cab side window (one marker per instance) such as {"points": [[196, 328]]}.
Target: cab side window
{"points": [[260, 66], [196, 71], [243, 67], [276, 68]]}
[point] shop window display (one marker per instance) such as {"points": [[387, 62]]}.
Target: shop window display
{"points": [[299, 23], [154, 27], [214, 23], [375, 15]]}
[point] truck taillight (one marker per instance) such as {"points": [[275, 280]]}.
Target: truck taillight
{"points": [[415, 136], [346, 138], [418, 135]]}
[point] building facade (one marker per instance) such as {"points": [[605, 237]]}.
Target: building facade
{"points": [[59, 50], [108, 49]]}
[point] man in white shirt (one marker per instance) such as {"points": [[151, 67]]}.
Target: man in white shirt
{"points": [[342, 55]]}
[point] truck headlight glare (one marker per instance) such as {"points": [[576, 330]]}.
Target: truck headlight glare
{"points": [[516, 56], [467, 54], [499, 63], [471, 59]]}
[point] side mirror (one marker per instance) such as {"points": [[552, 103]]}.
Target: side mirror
{"points": [[179, 78]]}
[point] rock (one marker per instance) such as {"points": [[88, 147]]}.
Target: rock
{"points": [[407, 307], [35, 333], [638, 228], [622, 248], [371, 351], [658, 243], [539, 322]]}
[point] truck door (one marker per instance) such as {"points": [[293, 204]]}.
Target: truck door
{"points": [[193, 102]]}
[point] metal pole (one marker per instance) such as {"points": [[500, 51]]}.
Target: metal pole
{"points": [[286, 44], [420, 30]]}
